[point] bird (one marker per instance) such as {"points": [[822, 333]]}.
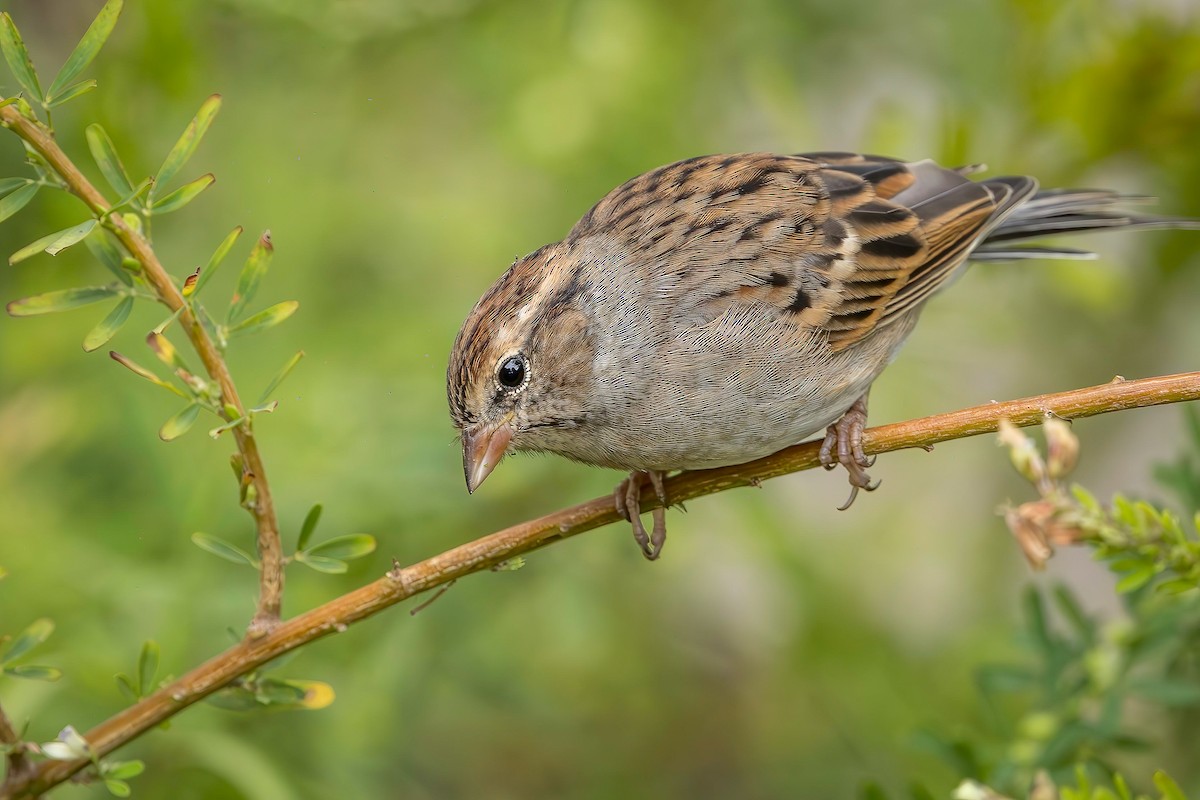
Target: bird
{"points": [[721, 308]]}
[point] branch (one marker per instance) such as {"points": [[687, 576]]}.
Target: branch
{"points": [[488, 551], [20, 768], [269, 549]]}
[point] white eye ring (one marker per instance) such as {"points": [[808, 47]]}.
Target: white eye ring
{"points": [[512, 373]]}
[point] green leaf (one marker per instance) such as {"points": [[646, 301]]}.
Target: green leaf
{"points": [[1035, 621], [107, 159], [272, 691], [189, 141], [1136, 579], [18, 57], [872, 791], [1177, 586], [141, 371], [11, 184], [918, 792], [1169, 788], [147, 667], [70, 93], [17, 200], [348, 548], [117, 788], [1005, 678], [137, 192], [60, 300], [106, 253], [125, 685], [95, 37], [959, 755], [1167, 692], [107, 327], [331, 566], [234, 698], [71, 236], [123, 770], [228, 426], [34, 672], [252, 274], [313, 694], [183, 195], [56, 242], [281, 376], [267, 318], [310, 525], [37, 632], [218, 256], [223, 549], [180, 423], [1075, 615]]}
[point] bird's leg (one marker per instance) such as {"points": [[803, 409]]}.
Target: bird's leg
{"points": [[843, 445], [628, 500]]}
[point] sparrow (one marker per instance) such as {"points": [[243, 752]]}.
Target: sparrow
{"points": [[722, 308]]}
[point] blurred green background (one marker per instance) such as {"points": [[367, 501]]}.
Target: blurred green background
{"points": [[402, 152]]}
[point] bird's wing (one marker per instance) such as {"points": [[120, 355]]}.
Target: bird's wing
{"points": [[839, 242]]}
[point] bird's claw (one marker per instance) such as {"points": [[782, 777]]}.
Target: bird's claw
{"points": [[844, 445], [628, 500]]}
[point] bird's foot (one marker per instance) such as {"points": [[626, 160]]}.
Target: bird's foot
{"points": [[628, 500], [844, 445]]}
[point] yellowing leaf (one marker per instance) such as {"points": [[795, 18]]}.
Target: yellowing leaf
{"points": [[180, 423], [60, 300], [252, 273], [56, 242]]}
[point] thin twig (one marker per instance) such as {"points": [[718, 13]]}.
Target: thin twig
{"points": [[269, 549], [20, 768], [400, 584]]}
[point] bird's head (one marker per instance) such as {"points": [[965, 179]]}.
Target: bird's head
{"points": [[520, 373]]}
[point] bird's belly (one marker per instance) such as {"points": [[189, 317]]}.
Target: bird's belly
{"points": [[720, 427], [720, 402], [739, 388]]}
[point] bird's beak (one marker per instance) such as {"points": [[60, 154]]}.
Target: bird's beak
{"points": [[483, 447]]}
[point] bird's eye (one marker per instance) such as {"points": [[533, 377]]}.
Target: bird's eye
{"points": [[511, 373]]}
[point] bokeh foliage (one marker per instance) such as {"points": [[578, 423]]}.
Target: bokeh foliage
{"points": [[402, 153]]}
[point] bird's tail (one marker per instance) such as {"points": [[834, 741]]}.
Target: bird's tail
{"points": [[1064, 211]]}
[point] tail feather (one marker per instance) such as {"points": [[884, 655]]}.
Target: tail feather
{"points": [[1055, 212]]}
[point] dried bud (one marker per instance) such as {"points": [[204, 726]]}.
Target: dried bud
{"points": [[189, 283], [1062, 448], [1022, 452], [1028, 523], [1043, 787], [974, 790]]}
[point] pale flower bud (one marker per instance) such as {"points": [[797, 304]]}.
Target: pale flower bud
{"points": [[1062, 447], [1022, 452]]}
